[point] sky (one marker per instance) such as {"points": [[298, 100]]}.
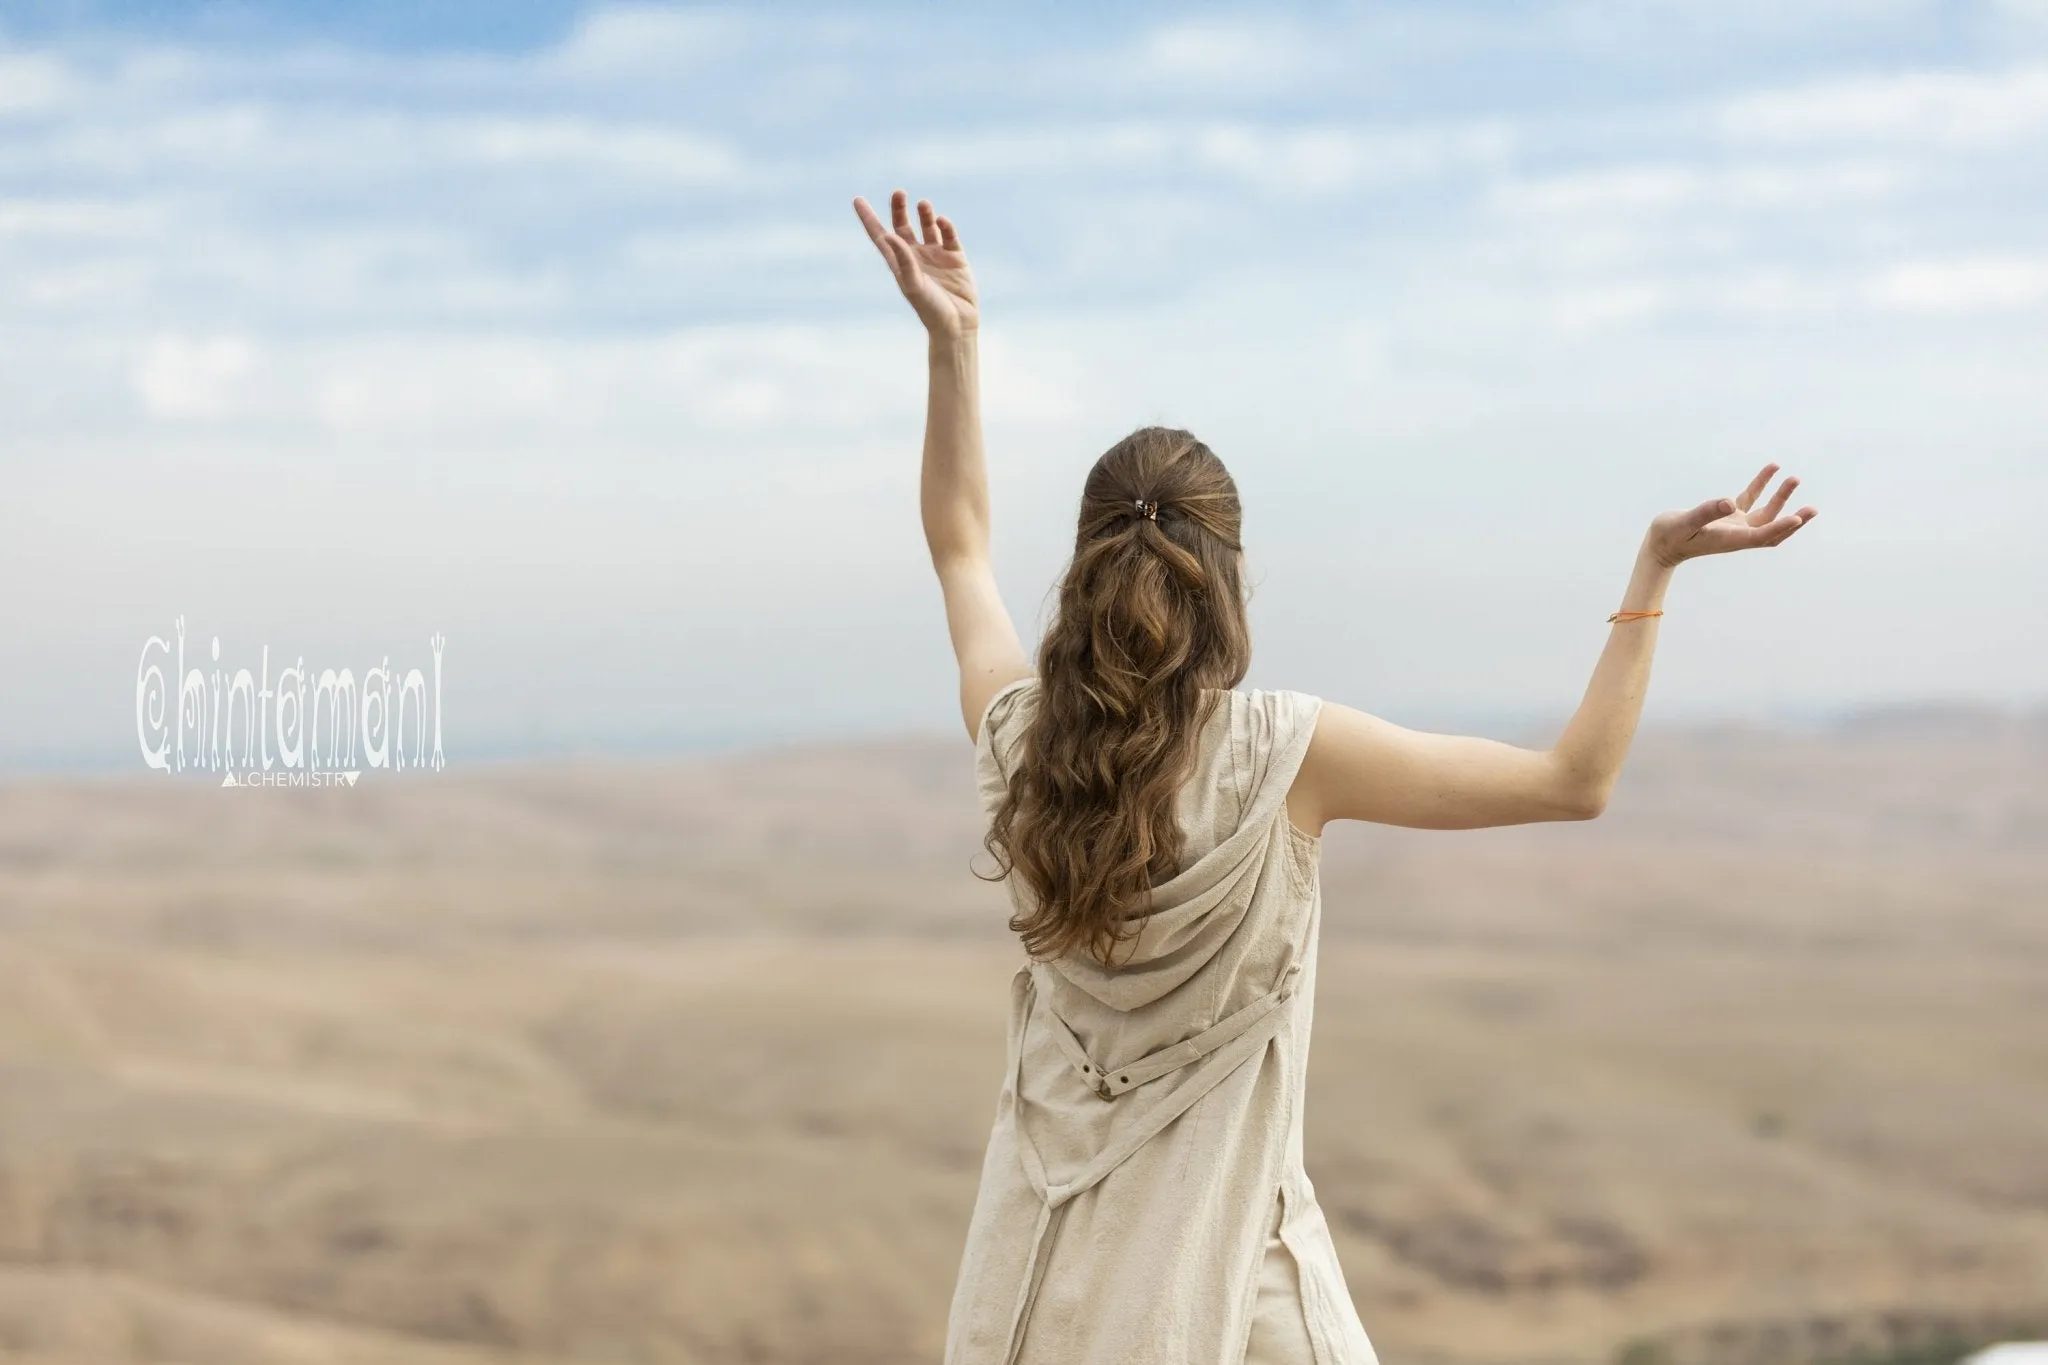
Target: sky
{"points": [[550, 330]]}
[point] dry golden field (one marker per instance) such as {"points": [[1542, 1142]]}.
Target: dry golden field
{"points": [[692, 1061]]}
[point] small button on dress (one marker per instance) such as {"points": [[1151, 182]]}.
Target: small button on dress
{"points": [[1142, 1198]]}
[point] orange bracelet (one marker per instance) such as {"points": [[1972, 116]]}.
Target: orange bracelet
{"points": [[1631, 616]]}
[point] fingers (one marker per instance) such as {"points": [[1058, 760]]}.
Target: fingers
{"points": [[1713, 509], [1747, 496], [1770, 510], [868, 219], [902, 264], [1776, 532], [877, 234], [901, 259], [938, 229]]}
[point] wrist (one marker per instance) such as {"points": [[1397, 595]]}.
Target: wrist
{"points": [[954, 352], [1647, 584], [1649, 556]]}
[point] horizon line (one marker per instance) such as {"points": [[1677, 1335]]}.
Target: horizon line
{"points": [[509, 749]]}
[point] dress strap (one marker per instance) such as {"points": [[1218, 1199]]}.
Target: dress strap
{"points": [[1111, 1081], [1222, 1049]]}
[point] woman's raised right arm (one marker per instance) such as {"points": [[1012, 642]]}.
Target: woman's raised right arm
{"points": [[1359, 767], [953, 486]]}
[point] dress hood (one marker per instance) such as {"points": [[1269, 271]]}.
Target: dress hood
{"points": [[1233, 816]]}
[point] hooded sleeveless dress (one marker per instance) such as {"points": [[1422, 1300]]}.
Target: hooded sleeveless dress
{"points": [[1142, 1199]]}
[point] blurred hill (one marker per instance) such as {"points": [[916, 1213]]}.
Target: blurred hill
{"points": [[694, 1061]]}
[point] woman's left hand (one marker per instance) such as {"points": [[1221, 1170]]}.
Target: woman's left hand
{"points": [[932, 274], [1725, 524]]}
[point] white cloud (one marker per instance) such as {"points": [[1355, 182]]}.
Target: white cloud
{"points": [[1033, 379], [115, 282], [1777, 294], [542, 392], [1359, 352], [184, 128], [661, 388], [1673, 186], [1036, 149], [643, 39], [183, 378], [31, 81], [1924, 108], [723, 248], [1649, 21], [220, 136], [1287, 158], [1228, 53], [1981, 284], [1599, 308], [2026, 19], [638, 152], [77, 219], [1315, 159]]}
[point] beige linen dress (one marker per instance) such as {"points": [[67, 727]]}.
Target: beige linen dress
{"points": [[1143, 1200]]}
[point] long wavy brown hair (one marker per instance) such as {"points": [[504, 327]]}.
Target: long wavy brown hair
{"points": [[1151, 615]]}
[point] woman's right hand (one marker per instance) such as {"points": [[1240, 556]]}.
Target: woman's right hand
{"points": [[1724, 524], [932, 274]]}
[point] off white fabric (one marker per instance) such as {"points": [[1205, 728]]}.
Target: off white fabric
{"points": [[1147, 1141], [1280, 1334]]}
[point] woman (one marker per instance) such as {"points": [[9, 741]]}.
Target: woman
{"points": [[1142, 1198]]}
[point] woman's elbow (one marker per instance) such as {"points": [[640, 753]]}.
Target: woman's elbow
{"points": [[1571, 792], [1585, 803]]}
